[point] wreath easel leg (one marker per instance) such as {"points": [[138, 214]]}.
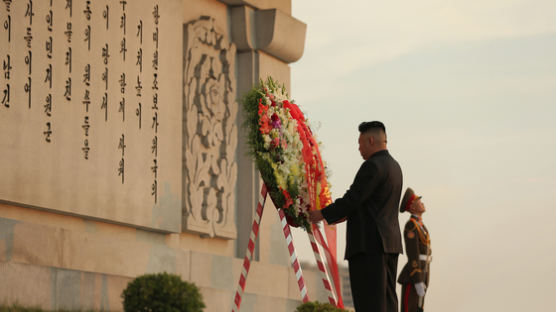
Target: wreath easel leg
{"points": [[250, 249], [322, 268], [293, 257]]}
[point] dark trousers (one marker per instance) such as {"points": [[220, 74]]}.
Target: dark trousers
{"points": [[373, 282], [410, 299]]}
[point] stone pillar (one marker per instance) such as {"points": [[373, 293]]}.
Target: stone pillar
{"points": [[267, 40]]}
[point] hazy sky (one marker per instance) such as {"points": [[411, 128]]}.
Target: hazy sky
{"points": [[467, 90]]}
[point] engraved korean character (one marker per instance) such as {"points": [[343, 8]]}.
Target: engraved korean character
{"points": [[123, 23], [156, 14], [48, 132], [87, 75], [121, 169], [68, 59], [28, 37], [68, 31], [48, 105], [105, 78], [140, 59], [87, 39], [154, 146], [67, 93], [86, 126], [86, 100], [121, 109], [154, 190], [28, 89], [48, 77], [8, 27], [6, 96], [155, 122], [105, 54], [123, 84], [87, 10], [121, 144], [69, 6], [29, 11], [155, 60], [138, 86], [123, 48], [7, 66], [104, 106], [154, 168], [155, 37], [8, 4], [29, 61], [86, 148], [138, 113], [106, 15], [140, 31], [155, 101], [48, 47], [49, 20], [155, 81]]}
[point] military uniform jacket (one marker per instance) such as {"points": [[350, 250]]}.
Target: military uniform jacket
{"points": [[418, 249]]}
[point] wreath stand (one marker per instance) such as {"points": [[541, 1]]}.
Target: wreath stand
{"points": [[293, 257]]}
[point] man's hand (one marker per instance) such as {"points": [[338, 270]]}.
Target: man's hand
{"points": [[420, 289], [315, 216]]}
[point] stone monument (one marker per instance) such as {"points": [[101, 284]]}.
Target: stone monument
{"points": [[122, 151]]}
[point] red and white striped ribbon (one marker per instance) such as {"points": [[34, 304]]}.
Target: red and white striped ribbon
{"points": [[293, 257], [322, 267], [250, 249]]}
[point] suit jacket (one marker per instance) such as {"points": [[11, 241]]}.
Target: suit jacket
{"points": [[418, 250], [371, 207]]}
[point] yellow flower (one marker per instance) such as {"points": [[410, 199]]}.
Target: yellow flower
{"points": [[294, 169]]}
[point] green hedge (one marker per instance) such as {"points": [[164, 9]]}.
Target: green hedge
{"points": [[20, 308], [316, 306], [162, 292]]}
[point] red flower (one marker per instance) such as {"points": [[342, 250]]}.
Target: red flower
{"points": [[288, 198], [274, 143], [264, 122], [262, 108]]}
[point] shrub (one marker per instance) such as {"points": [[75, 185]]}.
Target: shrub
{"points": [[162, 292], [318, 307], [18, 308]]}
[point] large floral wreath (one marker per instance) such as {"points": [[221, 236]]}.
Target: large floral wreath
{"points": [[286, 153]]}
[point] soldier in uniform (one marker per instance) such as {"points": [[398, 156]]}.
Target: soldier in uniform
{"points": [[415, 274]]}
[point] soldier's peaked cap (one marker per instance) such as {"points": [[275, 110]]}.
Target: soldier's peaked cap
{"points": [[408, 198]]}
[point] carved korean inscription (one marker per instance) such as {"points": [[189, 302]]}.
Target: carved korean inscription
{"points": [[90, 108]]}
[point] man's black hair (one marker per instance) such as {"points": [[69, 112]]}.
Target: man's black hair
{"points": [[368, 125]]}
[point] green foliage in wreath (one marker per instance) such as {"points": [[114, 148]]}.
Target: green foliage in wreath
{"points": [[315, 306]]}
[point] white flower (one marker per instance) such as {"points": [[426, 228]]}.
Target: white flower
{"points": [[266, 139]]}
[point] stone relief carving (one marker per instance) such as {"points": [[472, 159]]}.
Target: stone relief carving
{"points": [[210, 131]]}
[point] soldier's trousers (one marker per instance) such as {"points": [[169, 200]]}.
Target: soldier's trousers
{"points": [[410, 299]]}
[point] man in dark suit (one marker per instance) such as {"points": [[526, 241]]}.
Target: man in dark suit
{"points": [[373, 239]]}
